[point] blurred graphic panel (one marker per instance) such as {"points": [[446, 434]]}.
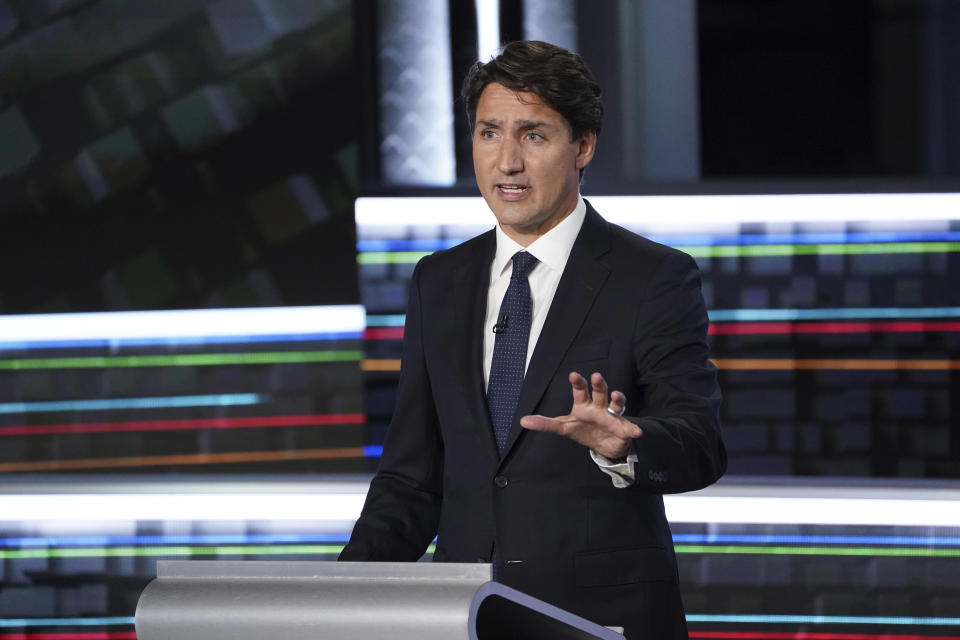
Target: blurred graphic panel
{"points": [[833, 329], [264, 389]]}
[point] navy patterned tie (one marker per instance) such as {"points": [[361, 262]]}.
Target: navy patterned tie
{"points": [[510, 349]]}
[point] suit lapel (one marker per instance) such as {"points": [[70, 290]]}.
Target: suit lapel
{"points": [[582, 278], [471, 279]]}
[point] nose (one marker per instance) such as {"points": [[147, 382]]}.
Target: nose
{"points": [[509, 158]]}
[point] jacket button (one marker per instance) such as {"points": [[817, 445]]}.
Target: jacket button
{"points": [[501, 481]]}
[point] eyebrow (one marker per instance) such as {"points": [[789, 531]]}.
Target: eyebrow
{"points": [[523, 125]]}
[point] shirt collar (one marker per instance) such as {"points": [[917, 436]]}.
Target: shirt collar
{"points": [[552, 248]]}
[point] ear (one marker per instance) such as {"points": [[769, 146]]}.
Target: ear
{"points": [[586, 145]]}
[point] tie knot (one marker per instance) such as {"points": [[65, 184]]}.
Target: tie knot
{"points": [[522, 263]]}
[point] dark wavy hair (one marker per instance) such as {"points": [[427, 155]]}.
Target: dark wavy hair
{"points": [[560, 78]]}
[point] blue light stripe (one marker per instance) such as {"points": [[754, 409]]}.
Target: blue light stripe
{"points": [[790, 619], [761, 315], [416, 244], [393, 320], [221, 400], [153, 541], [764, 315], [688, 240], [178, 342], [708, 538], [373, 451], [64, 622]]}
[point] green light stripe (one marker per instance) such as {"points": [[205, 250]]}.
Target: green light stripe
{"points": [[773, 250], [731, 251], [328, 549], [391, 257], [182, 360], [180, 550], [819, 551]]}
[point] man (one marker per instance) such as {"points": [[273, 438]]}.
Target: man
{"points": [[545, 473]]}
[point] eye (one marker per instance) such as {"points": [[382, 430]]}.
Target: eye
{"points": [[534, 137], [487, 134]]}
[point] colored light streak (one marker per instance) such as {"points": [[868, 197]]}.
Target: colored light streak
{"points": [[768, 328], [811, 635], [376, 364], [172, 550], [313, 420], [182, 539], [761, 328], [177, 342], [103, 635], [306, 549], [330, 538], [773, 315], [159, 402], [714, 538], [785, 509], [769, 364], [181, 360], [780, 550], [388, 320], [383, 333], [851, 313], [187, 459], [729, 251], [333, 504], [171, 325], [801, 619], [178, 550], [65, 622], [391, 257], [699, 239], [338, 503], [690, 213], [833, 364]]}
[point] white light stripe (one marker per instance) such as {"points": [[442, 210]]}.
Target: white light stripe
{"points": [[193, 323], [673, 213], [822, 511], [335, 502], [172, 506], [488, 29]]}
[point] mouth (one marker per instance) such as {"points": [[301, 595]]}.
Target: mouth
{"points": [[512, 189]]}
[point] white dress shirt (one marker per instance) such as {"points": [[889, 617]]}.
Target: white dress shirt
{"points": [[552, 250]]}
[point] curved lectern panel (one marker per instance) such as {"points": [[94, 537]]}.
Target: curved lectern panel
{"points": [[237, 600], [498, 611]]}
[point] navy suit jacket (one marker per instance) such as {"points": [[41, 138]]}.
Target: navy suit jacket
{"points": [[626, 307]]}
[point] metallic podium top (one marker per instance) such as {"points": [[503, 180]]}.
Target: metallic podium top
{"points": [[246, 600]]}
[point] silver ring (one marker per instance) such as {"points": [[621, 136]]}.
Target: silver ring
{"points": [[615, 413]]}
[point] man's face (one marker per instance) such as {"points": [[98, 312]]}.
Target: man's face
{"points": [[527, 168]]}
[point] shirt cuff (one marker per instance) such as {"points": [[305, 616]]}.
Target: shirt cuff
{"points": [[622, 474]]}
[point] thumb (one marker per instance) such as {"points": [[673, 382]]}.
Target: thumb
{"points": [[539, 423]]}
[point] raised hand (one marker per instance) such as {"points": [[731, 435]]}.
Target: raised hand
{"points": [[595, 420]]}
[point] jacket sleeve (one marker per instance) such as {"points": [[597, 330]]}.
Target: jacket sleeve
{"points": [[401, 513], [681, 447]]}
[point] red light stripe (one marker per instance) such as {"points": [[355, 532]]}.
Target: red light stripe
{"points": [[761, 328], [314, 420], [383, 333], [232, 457], [765, 328], [116, 635], [806, 635]]}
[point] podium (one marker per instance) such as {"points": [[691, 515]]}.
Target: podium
{"points": [[247, 600]]}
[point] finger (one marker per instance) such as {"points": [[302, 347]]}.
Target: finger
{"points": [[618, 402], [541, 423], [579, 385], [599, 386]]}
